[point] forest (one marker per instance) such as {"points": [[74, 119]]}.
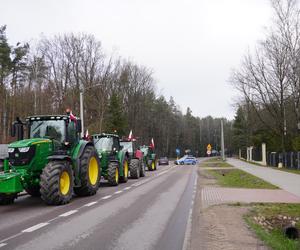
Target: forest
{"points": [[119, 95]]}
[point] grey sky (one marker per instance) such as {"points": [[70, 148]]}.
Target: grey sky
{"points": [[191, 45]]}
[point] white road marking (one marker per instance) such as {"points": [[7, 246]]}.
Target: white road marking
{"points": [[68, 213], [127, 188], [106, 197], [163, 172], [35, 227], [91, 204], [118, 192], [3, 244]]}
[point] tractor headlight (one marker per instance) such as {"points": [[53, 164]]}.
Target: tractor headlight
{"points": [[24, 149], [11, 150]]}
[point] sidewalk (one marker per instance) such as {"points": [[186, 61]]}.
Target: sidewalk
{"points": [[287, 181]]}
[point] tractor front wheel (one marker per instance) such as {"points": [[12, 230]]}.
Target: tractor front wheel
{"points": [[89, 173], [113, 173], [142, 166], [57, 183], [134, 168], [6, 199]]}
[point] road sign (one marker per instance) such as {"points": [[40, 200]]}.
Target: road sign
{"points": [[208, 152], [208, 147], [177, 151]]}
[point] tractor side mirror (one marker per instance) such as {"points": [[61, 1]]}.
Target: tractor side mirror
{"points": [[78, 126], [13, 130]]}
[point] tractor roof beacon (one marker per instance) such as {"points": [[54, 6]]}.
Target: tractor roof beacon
{"points": [[54, 162]]}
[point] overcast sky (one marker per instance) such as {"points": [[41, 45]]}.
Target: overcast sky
{"points": [[191, 45]]}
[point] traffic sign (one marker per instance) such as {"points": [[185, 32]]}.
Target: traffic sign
{"points": [[208, 152], [208, 147], [177, 151]]}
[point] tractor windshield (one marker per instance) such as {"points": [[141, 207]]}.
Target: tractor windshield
{"points": [[104, 143], [127, 146], [53, 129]]}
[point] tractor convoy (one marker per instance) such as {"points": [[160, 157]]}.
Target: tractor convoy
{"points": [[55, 163]]}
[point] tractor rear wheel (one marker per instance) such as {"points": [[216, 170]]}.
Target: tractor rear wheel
{"points": [[6, 199], [142, 166], [57, 183], [34, 191], [89, 173], [134, 168], [113, 173], [124, 178]]}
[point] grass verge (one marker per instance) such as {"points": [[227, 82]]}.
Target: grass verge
{"points": [[268, 221], [240, 179]]}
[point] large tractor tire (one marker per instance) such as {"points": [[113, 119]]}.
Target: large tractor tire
{"points": [[6, 199], [134, 168], [124, 178], [34, 191], [89, 173], [57, 183], [142, 167], [113, 173]]}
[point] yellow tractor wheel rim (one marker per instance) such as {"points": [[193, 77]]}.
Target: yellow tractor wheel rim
{"points": [[64, 183], [117, 175], [93, 171], [153, 165], [125, 169]]}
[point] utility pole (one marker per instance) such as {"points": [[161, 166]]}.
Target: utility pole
{"points": [[222, 141], [81, 113]]}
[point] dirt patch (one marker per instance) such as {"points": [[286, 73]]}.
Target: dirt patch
{"points": [[220, 227]]}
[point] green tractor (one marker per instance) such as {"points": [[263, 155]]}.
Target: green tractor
{"points": [[114, 161], [136, 161], [150, 158], [52, 163]]}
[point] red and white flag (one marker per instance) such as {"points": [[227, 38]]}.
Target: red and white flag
{"points": [[87, 134], [152, 143], [130, 135]]}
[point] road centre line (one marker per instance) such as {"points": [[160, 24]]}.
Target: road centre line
{"points": [[127, 188], [106, 197], [3, 244], [118, 192], [35, 227], [91, 203], [68, 213]]}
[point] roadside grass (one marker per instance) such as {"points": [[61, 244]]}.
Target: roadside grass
{"points": [[216, 163], [268, 221], [213, 159], [239, 179]]}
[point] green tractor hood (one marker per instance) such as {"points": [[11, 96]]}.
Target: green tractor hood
{"points": [[28, 142]]}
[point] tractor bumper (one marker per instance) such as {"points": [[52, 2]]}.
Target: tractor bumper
{"points": [[10, 183]]}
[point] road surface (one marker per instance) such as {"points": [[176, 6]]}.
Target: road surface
{"points": [[149, 213]]}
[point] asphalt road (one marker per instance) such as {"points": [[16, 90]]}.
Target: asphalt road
{"points": [[149, 213]]}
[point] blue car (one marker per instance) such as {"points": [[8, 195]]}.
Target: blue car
{"points": [[186, 160]]}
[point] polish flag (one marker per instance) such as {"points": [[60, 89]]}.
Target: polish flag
{"points": [[152, 143], [130, 135], [73, 117], [87, 134]]}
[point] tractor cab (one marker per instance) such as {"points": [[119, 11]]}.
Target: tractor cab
{"points": [[108, 143]]}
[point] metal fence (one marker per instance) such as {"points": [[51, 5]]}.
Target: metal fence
{"points": [[288, 159], [256, 154]]}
